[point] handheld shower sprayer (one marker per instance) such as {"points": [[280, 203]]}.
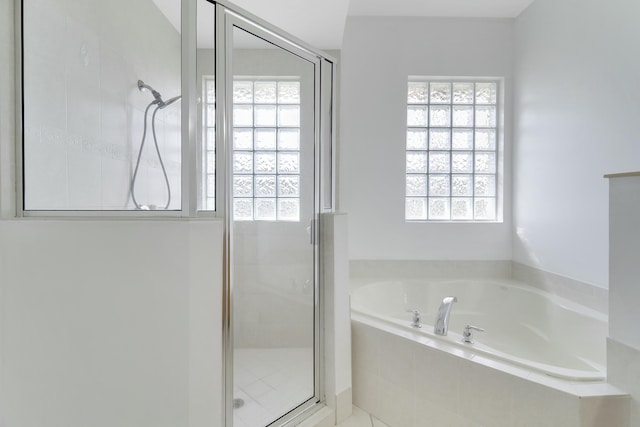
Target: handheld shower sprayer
{"points": [[160, 104], [164, 104]]}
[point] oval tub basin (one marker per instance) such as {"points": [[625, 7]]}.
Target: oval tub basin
{"points": [[524, 326]]}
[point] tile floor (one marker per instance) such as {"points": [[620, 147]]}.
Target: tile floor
{"points": [[359, 418], [270, 382]]}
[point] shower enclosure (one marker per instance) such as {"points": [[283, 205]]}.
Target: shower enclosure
{"points": [[272, 119], [194, 109]]}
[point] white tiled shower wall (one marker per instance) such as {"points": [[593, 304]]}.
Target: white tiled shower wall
{"points": [[83, 111]]}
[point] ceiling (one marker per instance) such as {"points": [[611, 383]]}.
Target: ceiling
{"points": [[321, 23], [440, 8]]}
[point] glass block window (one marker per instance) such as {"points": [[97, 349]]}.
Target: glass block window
{"points": [[209, 145], [266, 150], [451, 151]]}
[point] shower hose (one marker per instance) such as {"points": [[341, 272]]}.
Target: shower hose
{"points": [[155, 142]]}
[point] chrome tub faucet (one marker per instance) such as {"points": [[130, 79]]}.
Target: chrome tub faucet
{"points": [[442, 319]]}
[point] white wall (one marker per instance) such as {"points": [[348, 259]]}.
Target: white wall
{"points": [[623, 345], [110, 323], [378, 55], [83, 112], [624, 291], [577, 107], [7, 106]]}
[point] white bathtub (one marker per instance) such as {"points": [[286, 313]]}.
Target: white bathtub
{"points": [[523, 326]]}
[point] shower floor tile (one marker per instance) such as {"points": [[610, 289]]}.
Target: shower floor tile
{"points": [[270, 382]]}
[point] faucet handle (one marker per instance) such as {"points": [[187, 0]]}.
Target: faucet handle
{"points": [[416, 318], [467, 334]]}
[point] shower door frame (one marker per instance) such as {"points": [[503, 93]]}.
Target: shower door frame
{"points": [[229, 17]]}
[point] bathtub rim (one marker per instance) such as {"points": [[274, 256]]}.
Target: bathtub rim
{"points": [[358, 284]]}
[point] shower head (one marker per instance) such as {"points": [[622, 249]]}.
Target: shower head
{"points": [[158, 98], [164, 104], [142, 86]]}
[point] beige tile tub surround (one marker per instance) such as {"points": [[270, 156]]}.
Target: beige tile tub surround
{"points": [[437, 269], [591, 296], [623, 370], [407, 384]]}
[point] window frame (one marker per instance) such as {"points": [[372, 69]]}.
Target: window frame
{"points": [[207, 149], [498, 174], [277, 127]]}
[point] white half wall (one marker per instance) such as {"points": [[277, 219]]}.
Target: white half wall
{"points": [[576, 112], [109, 323], [378, 56], [623, 344], [624, 292], [337, 309]]}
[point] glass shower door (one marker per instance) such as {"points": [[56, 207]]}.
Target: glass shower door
{"points": [[273, 209]]}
